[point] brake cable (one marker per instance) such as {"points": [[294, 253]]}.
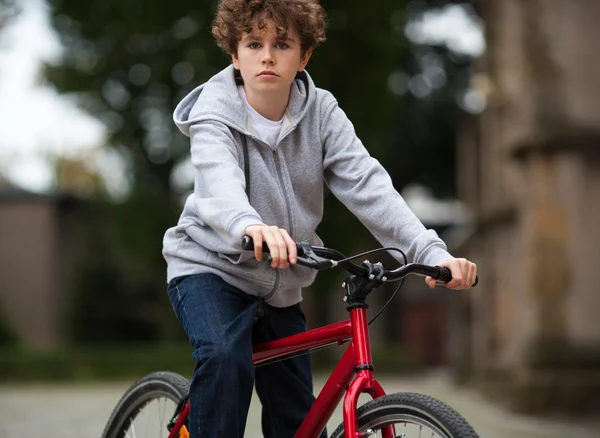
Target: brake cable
{"points": [[397, 288]]}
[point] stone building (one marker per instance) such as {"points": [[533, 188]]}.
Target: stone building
{"points": [[530, 168]]}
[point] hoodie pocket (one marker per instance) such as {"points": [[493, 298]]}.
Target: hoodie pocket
{"points": [[237, 259], [212, 243]]}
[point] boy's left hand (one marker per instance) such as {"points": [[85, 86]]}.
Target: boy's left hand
{"points": [[463, 272]]}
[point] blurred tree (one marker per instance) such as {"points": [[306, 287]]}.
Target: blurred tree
{"points": [[133, 61], [425, 142], [113, 303], [73, 176], [434, 80]]}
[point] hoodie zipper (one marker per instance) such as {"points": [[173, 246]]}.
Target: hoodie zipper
{"points": [[289, 217], [285, 195], [275, 286], [277, 160], [287, 203]]}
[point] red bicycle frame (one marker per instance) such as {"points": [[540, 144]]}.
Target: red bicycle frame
{"points": [[353, 373]]}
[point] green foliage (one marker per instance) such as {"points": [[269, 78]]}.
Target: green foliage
{"points": [[94, 363], [114, 297], [7, 335]]}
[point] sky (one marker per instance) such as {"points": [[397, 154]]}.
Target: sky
{"points": [[38, 123]]}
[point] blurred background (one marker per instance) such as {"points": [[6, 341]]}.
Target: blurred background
{"points": [[485, 113]]}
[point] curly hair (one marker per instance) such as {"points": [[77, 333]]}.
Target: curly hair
{"points": [[236, 17]]}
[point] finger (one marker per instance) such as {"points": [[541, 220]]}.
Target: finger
{"points": [[258, 243], [282, 246], [466, 270], [430, 282], [457, 275], [472, 274], [273, 245], [277, 248], [291, 247]]}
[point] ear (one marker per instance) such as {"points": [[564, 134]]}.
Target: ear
{"points": [[304, 60], [236, 61]]}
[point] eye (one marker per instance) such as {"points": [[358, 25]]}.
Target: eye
{"points": [[254, 45], [282, 46]]}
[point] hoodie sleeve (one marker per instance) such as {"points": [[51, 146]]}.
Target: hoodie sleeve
{"points": [[363, 185], [219, 189]]}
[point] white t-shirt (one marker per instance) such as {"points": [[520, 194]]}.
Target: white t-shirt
{"points": [[266, 130]]}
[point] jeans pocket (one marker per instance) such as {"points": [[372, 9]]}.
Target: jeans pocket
{"points": [[176, 295], [173, 288]]}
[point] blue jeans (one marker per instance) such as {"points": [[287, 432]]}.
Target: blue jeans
{"points": [[221, 324]]}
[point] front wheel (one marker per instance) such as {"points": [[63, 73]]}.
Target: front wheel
{"points": [[147, 406], [410, 415]]}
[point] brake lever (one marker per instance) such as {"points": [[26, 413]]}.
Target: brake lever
{"points": [[307, 257], [446, 276]]}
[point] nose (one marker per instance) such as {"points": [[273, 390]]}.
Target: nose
{"points": [[267, 56]]}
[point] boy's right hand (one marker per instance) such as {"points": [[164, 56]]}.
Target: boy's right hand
{"points": [[282, 247]]}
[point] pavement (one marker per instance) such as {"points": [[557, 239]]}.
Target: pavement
{"points": [[76, 410]]}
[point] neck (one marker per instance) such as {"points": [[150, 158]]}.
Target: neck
{"points": [[270, 106]]}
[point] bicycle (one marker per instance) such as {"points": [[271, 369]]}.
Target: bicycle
{"points": [[353, 375]]}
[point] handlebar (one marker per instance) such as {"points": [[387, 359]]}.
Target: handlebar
{"points": [[321, 258]]}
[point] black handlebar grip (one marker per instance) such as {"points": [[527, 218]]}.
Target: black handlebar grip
{"points": [[248, 244], [446, 276]]}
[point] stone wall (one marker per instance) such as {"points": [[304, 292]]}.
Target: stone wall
{"points": [[530, 167]]}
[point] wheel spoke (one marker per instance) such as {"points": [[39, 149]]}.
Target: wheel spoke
{"points": [[410, 425], [157, 394], [162, 416], [146, 421], [147, 414], [413, 415], [132, 427]]}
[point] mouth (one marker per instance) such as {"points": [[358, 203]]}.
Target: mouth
{"points": [[268, 73]]}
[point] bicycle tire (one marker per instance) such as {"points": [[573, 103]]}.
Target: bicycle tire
{"points": [[412, 405], [153, 386]]}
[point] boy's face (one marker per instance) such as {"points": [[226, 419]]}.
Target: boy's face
{"points": [[267, 65]]}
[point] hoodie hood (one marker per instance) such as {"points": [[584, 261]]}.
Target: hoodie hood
{"points": [[219, 100]]}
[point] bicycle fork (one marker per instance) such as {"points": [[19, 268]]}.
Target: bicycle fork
{"points": [[364, 380]]}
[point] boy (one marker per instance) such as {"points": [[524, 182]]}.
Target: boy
{"points": [[295, 136]]}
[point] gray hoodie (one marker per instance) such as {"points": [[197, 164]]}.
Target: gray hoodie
{"points": [[317, 146]]}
